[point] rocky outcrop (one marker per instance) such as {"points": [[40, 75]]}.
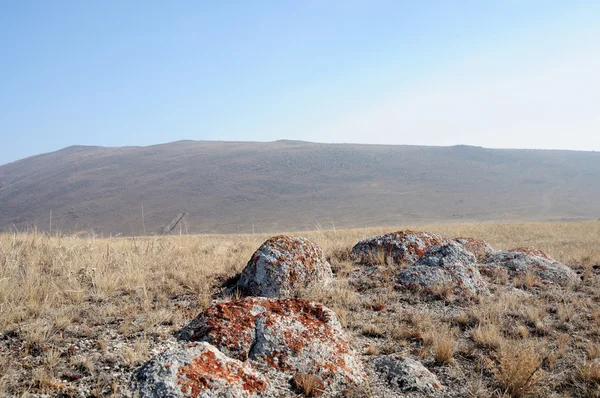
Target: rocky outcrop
{"points": [[198, 371], [534, 252], [399, 247], [282, 267], [446, 264], [521, 261], [480, 248], [285, 335], [406, 375]]}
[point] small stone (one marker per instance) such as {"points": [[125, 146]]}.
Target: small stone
{"points": [[407, 375]]}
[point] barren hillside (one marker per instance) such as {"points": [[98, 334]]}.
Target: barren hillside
{"points": [[227, 187]]}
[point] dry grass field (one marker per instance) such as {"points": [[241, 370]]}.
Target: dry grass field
{"points": [[78, 315]]}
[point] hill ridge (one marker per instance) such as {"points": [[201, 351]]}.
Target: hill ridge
{"points": [[275, 186]]}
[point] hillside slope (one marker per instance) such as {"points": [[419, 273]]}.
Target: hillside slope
{"points": [[288, 185]]}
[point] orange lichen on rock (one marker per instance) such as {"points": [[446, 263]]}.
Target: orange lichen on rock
{"points": [[200, 374], [400, 247], [199, 370], [282, 266], [532, 251], [480, 248], [285, 334]]}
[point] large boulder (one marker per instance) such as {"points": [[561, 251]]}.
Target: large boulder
{"points": [[446, 264], [480, 248], [282, 267], [286, 335], [400, 247], [405, 375], [521, 261], [198, 371]]}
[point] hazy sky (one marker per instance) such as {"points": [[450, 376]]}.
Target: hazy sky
{"points": [[520, 74]]}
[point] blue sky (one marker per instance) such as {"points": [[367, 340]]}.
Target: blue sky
{"points": [[518, 74]]}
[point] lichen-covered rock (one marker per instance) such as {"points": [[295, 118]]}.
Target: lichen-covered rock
{"points": [[446, 264], [400, 247], [519, 262], [480, 248], [286, 335], [198, 371], [533, 251], [283, 266], [406, 375]]}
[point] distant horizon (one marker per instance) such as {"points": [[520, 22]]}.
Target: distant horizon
{"points": [[298, 141]]}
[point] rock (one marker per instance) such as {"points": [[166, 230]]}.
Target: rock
{"points": [[286, 335], [199, 370], [400, 247], [480, 248], [282, 267], [518, 263], [406, 375], [446, 264], [532, 251]]}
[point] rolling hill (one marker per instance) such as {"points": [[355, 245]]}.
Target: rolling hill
{"points": [[222, 187]]}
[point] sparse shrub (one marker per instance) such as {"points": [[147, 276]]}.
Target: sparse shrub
{"points": [[340, 254], [134, 356], [372, 330], [371, 350], [377, 257], [527, 281], [592, 351], [308, 384], [443, 291], [520, 369], [443, 342], [342, 315], [487, 335], [523, 331], [360, 391], [589, 372], [462, 319]]}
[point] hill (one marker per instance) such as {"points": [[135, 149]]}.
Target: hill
{"points": [[240, 187]]}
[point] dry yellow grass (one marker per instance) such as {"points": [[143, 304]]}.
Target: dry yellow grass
{"points": [[520, 366], [488, 335], [56, 291], [443, 342]]}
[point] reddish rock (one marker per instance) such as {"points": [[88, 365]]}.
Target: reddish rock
{"points": [[401, 247], [480, 248], [282, 267], [286, 335], [198, 371]]}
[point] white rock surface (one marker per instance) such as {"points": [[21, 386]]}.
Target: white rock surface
{"points": [[447, 264], [198, 371], [283, 266]]}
